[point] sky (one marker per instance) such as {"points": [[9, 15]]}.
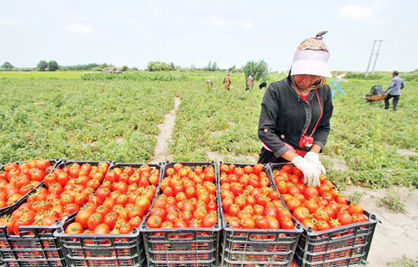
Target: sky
{"points": [[194, 32]]}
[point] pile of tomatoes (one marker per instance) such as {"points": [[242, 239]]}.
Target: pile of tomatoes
{"points": [[120, 204], [187, 199], [65, 190], [248, 200], [18, 179], [319, 208]]}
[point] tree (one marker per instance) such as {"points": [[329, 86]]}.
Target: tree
{"points": [[53, 65], [160, 66], [42, 65], [6, 65], [125, 68], [212, 66], [258, 70], [232, 69]]}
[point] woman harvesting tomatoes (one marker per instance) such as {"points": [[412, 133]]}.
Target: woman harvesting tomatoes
{"points": [[295, 112]]}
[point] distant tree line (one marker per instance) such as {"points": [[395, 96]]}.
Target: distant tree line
{"points": [[258, 69]]}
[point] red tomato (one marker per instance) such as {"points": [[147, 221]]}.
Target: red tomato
{"points": [[301, 213], [247, 223], [355, 208], [94, 220], [273, 222], [345, 218], [74, 228], [102, 229], [154, 221], [310, 192]]}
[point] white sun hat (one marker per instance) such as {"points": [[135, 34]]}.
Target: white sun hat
{"points": [[311, 57]]}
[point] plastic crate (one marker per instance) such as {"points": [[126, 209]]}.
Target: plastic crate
{"points": [[35, 245], [101, 250], [53, 162], [186, 246], [104, 250], [263, 247], [343, 246]]}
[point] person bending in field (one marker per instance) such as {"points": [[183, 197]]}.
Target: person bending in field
{"points": [[227, 82], [209, 84], [249, 83], [296, 111], [395, 88]]}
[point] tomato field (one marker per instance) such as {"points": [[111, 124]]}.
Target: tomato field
{"points": [[89, 116]]}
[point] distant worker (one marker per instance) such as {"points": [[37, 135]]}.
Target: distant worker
{"points": [[227, 82], [262, 85], [209, 84], [249, 83], [395, 90]]}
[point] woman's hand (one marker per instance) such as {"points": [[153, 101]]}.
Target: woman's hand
{"points": [[313, 158], [310, 172]]}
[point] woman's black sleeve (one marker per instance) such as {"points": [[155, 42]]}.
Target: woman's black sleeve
{"points": [[267, 123]]}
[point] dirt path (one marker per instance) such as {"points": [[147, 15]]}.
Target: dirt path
{"points": [[397, 235], [161, 152]]}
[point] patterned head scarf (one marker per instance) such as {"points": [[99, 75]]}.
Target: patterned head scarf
{"points": [[311, 57]]}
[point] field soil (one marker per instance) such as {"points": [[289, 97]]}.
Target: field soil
{"points": [[161, 152], [397, 236]]}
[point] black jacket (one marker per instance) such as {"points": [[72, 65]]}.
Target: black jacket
{"points": [[284, 116]]}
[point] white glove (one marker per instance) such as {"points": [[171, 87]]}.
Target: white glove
{"points": [[313, 158], [310, 172]]}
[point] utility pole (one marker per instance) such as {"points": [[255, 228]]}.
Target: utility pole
{"points": [[377, 54], [373, 54]]}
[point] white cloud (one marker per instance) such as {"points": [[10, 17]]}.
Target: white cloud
{"points": [[12, 22], [180, 21], [155, 9], [246, 25], [80, 28], [217, 21], [355, 12], [364, 13]]}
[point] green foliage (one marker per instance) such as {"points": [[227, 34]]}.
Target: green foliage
{"points": [[7, 66], [76, 118], [82, 120], [42, 75], [91, 66], [410, 77], [356, 197], [135, 76], [367, 137], [258, 70], [53, 65], [125, 68], [42, 65], [392, 202], [361, 75], [405, 262], [160, 66], [212, 66], [232, 69]]}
